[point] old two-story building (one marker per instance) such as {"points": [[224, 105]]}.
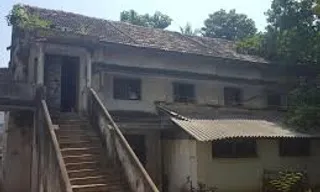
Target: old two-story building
{"points": [[165, 111]]}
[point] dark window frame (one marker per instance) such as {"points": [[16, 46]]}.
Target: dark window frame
{"points": [[274, 100], [235, 148], [181, 94], [230, 99], [294, 147], [122, 87]]}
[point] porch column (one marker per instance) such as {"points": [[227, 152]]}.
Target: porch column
{"points": [[39, 74], [89, 63]]}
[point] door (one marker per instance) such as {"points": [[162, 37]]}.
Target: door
{"points": [[69, 82], [137, 143]]}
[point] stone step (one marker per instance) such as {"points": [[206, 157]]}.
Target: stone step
{"points": [[107, 171], [75, 127], [85, 173], [80, 151], [72, 134], [90, 188], [79, 143], [62, 122], [89, 180], [76, 131], [100, 188], [83, 165], [78, 137], [82, 158]]}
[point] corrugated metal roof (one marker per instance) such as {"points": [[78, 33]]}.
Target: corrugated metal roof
{"points": [[209, 130], [208, 123]]}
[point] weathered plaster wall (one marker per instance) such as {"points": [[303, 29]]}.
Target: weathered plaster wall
{"points": [[37, 66], [153, 153], [52, 80], [155, 88], [140, 58], [17, 159], [180, 164], [245, 174]]}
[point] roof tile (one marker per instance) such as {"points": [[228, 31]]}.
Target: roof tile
{"points": [[132, 35]]}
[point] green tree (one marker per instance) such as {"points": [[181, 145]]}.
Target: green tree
{"points": [[252, 45], [229, 25], [292, 38], [293, 31], [157, 20], [187, 30], [19, 16]]}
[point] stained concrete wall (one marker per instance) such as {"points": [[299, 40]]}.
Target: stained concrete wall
{"points": [[17, 157], [180, 164], [52, 81], [153, 153], [245, 174], [132, 57]]}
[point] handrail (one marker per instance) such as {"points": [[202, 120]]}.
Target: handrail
{"points": [[125, 142], [54, 140]]}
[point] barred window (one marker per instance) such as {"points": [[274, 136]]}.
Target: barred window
{"points": [[183, 92], [126, 88], [235, 148], [274, 100], [232, 96], [294, 147]]}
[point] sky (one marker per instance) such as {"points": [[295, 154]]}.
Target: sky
{"points": [[181, 11]]}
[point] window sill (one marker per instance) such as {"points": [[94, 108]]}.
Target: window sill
{"points": [[127, 99], [294, 156], [247, 157]]}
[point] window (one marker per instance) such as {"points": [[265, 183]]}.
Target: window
{"points": [[239, 148], [294, 147], [183, 92], [274, 100], [126, 89], [232, 96]]}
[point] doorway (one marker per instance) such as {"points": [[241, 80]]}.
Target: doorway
{"points": [[69, 79], [137, 143], [61, 80]]}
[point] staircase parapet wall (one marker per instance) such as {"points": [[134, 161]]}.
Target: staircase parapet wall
{"points": [[17, 91], [5, 74], [117, 148]]}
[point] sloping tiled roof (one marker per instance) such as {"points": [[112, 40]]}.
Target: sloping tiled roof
{"points": [[132, 35], [207, 123]]}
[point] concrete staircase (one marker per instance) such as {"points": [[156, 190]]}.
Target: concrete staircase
{"points": [[83, 155]]}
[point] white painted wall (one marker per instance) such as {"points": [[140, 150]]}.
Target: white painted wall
{"points": [[155, 88], [245, 174], [180, 162]]}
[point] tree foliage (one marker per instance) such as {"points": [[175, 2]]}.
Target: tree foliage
{"points": [[304, 111], [252, 45], [229, 25], [292, 38], [18, 16], [157, 20], [187, 30]]}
